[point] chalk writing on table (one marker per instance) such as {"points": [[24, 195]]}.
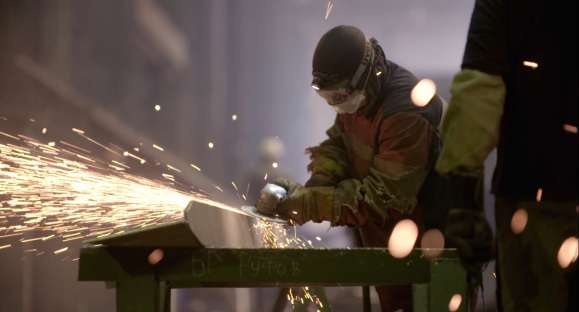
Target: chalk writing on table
{"points": [[254, 266], [206, 265], [247, 264]]}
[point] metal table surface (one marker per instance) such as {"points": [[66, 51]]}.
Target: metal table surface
{"points": [[141, 286]]}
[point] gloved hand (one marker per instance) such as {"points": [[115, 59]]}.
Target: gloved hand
{"points": [[467, 228], [269, 197], [471, 234], [303, 204]]}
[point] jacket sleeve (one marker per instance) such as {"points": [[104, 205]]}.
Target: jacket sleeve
{"points": [[486, 45], [328, 161], [397, 172], [471, 126]]}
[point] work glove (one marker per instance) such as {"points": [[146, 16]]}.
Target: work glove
{"points": [[467, 228], [470, 233], [302, 204]]}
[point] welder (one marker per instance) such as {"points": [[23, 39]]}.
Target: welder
{"points": [[381, 147]]}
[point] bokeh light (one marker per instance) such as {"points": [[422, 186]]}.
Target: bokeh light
{"points": [[403, 238], [423, 92], [567, 252], [155, 256], [432, 243], [519, 221], [454, 302]]}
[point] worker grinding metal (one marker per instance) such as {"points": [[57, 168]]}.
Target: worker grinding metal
{"points": [[518, 90], [370, 169]]}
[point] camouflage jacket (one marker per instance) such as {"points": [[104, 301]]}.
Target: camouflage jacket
{"points": [[379, 157]]}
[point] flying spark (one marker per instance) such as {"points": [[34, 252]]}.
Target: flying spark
{"points": [[100, 145], [570, 128], [127, 154], [530, 64], [173, 168], [9, 136], [121, 164], [275, 235], [78, 131], [195, 167], [56, 252], [235, 186], [75, 147], [329, 8], [58, 195]]}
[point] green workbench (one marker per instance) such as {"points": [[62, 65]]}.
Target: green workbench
{"points": [[122, 260]]}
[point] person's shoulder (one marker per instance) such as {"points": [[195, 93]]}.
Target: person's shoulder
{"points": [[397, 98], [397, 88]]}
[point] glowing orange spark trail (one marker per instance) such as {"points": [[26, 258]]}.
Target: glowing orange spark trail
{"points": [[56, 194], [50, 193], [274, 235]]}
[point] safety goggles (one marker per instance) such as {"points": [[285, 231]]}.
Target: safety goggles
{"points": [[340, 92], [337, 94]]}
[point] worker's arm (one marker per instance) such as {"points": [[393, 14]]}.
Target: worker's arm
{"points": [[471, 130], [329, 163], [397, 172], [471, 126]]}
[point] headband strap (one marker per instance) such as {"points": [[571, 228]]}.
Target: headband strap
{"points": [[367, 60]]}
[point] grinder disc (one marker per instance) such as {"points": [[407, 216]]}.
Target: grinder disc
{"points": [[252, 211]]}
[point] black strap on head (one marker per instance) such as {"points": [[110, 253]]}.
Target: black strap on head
{"points": [[365, 64]]}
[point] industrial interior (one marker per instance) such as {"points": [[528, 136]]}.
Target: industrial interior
{"points": [[297, 155]]}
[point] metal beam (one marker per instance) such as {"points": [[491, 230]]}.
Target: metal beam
{"points": [[185, 267]]}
